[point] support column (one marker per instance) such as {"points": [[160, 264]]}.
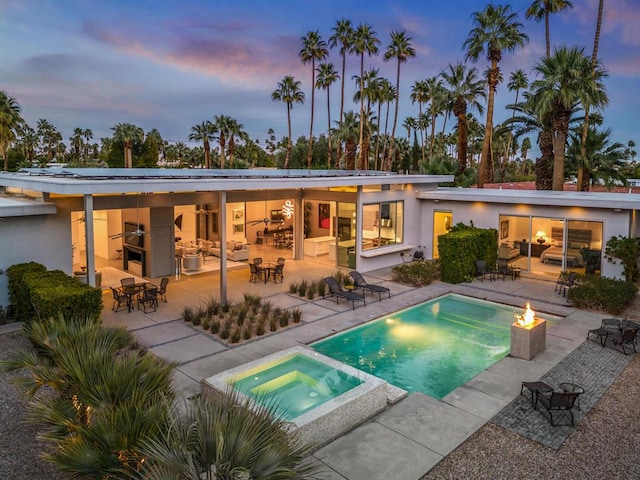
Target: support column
{"points": [[298, 229], [222, 218], [89, 240]]}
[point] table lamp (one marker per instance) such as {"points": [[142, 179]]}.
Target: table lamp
{"points": [[541, 234]]}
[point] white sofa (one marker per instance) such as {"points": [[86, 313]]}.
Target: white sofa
{"points": [[236, 251]]}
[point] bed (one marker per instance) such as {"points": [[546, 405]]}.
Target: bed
{"points": [[577, 239]]}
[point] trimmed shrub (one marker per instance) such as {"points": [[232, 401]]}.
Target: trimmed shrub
{"points": [[601, 293], [19, 293], [416, 274], [461, 247]]}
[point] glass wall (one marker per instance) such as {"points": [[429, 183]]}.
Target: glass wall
{"points": [[382, 224], [346, 233]]}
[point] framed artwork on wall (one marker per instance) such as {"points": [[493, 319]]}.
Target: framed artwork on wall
{"points": [[238, 228], [324, 213], [504, 229], [238, 214]]}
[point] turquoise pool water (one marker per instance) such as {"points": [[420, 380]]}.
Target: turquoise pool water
{"points": [[296, 384], [431, 348]]}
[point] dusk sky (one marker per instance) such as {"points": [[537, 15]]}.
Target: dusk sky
{"points": [[171, 65]]}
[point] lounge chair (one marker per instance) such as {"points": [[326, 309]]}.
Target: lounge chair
{"points": [[482, 271], [360, 282], [335, 290], [608, 327], [558, 401]]}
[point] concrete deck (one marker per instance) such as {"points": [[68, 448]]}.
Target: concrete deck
{"points": [[410, 437]]}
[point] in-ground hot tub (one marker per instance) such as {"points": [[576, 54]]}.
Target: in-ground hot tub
{"points": [[322, 397]]}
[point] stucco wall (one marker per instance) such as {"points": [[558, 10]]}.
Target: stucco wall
{"points": [[45, 239]]}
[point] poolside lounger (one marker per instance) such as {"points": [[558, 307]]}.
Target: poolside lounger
{"points": [[360, 282], [335, 290]]}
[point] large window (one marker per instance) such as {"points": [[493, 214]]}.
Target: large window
{"points": [[382, 224]]}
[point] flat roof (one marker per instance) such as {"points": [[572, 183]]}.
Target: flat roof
{"points": [[627, 201], [75, 181], [21, 206]]}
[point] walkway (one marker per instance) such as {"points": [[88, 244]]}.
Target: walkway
{"points": [[408, 438]]}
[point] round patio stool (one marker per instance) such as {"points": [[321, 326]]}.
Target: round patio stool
{"points": [[573, 388]]}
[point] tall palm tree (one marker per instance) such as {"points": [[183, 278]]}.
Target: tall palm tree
{"points": [[49, 137], [566, 80], [313, 48], [465, 88], [222, 125], [364, 41], [10, 122], [128, 134], [289, 92], [496, 29], [437, 97], [420, 94], [343, 37], [87, 134], [517, 81], [205, 133], [76, 143], [327, 76], [386, 95], [236, 129], [594, 60], [541, 10], [401, 49]]}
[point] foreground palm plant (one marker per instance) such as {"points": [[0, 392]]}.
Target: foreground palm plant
{"points": [[226, 438]]}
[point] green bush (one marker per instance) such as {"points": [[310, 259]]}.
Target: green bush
{"points": [[54, 293], [19, 294], [461, 247], [601, 293], [416, 274]]}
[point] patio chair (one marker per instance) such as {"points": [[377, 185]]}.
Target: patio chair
{"points": [[558, 401], [608, 327], [255, 274], [162, 290], [335, 290], [502, 268], [119, 300], [360, 282], [482, 271], [565, 285], [280, 261], [148, 298], [257, 262], [277, 273], [623, 339], [127, 281]]}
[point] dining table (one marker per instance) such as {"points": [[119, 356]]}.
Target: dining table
{"points": [[267, 269]]}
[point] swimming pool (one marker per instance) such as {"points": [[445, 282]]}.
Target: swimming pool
{"points": [[431, 348]]}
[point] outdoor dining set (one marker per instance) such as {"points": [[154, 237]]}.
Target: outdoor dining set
{"points": [[144, 295], [266, 271]]}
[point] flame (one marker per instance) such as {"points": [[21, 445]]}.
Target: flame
{"points": [[527, 318]]}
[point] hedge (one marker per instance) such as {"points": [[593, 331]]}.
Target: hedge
{"points": [[602, 293], [460, 248], [19, 294]]}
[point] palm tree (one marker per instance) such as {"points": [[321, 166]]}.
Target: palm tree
{"points": [[420, 94], [347, 132], [399, 48], [236, 129], [289, 92], [437, 97], [10, 122], [364, 41], [87, 134], [313, 48], [541, 9], [517, 81], [128, 134], [76, 142], [49, 137], [222, 124], [386, 94], [566, 81], [524, 150], [594, 60], [226, 438], [496, 29], [342, 36], [327, 76], [205, 133], [465, 88], [605, 158]]}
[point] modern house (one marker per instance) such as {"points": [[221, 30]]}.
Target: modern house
{"points": [[68, 218]]}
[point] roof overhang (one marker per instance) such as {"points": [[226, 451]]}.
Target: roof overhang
{"points": [[120, 180], [15, 206], [625, 201]]}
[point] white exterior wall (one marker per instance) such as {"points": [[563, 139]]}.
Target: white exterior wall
{"points": [[487, 215], [45, 239]]}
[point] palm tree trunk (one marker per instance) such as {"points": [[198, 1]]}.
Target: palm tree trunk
{"points": [[485, 172], [463, 141], [395, 115], [433, 135], [547, 37], [375, 166], [329, 152], [544, 164], [287, 156], [313, 101], [384, 146], [344, 65], [558, 159], [223, 157], [361, 109]]}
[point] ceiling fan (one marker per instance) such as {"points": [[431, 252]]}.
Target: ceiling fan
{"points": [[138, 232], [266, 220]]}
